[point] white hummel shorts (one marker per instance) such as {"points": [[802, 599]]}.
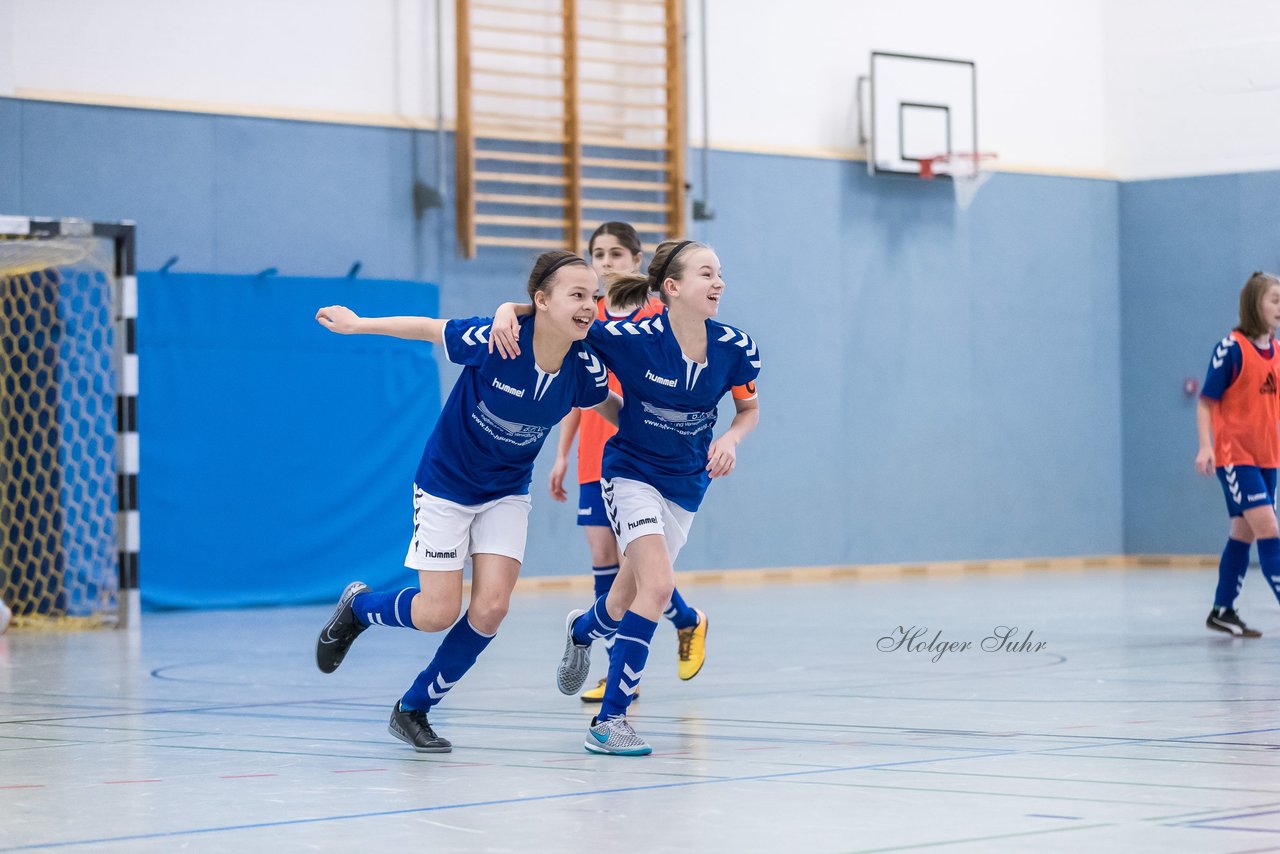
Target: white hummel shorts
{"points": [[636, 509], [445, 533]]}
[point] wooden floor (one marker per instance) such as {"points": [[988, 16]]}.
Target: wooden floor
{"points": [[1112, 720]]}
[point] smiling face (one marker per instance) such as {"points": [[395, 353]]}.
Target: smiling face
{"points": [[567, 303], [608, 255], [1269, 307], [700, 286]]}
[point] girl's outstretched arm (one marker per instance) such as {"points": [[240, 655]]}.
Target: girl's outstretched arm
{"points": [[344, 321]]}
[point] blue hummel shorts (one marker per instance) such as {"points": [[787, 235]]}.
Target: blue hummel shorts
{"points": [[1246, 487], [591, 505]]}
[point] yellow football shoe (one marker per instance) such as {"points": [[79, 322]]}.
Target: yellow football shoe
{"points": [[692, 652], [596, 694]]}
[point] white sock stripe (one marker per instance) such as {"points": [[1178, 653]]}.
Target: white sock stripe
{"points": [[473, 628], [445, 686], [621, 637], [396, 608], [608, 570], [608, 624], [631, 674], [376, 618]]}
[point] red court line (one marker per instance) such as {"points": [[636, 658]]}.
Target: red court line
{"points": [[464, 764], [242, 776], [27, 786]]}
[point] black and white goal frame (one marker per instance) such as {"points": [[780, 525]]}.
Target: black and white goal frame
{"points": [[124, 307]]}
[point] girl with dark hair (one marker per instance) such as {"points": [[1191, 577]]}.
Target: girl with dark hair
{"points": [[1238, 421], [471, 491], [674, 369], [614, 248]]}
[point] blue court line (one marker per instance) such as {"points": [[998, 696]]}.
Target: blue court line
{"points": [[1220, 818], [1216, 827], [498, 802]]}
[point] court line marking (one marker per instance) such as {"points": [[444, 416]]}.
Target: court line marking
{"points": [[473, 804]]}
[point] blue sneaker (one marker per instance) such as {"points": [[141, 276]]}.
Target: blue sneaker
{"points": [[616, 737]]}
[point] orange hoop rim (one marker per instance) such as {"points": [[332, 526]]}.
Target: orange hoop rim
{"points": [[928, 164]]}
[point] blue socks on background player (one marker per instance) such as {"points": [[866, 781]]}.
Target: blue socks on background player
{"points": [[1231, 572], [626, 664], [679, 612], [458, 651], [1269, 557], [386, 608], [603, 577]]}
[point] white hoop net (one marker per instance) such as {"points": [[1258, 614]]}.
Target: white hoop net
{"points": [[968, 171]]}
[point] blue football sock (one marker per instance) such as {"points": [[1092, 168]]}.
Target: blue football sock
{"points": [[458, 651], [385, 608], [603, 577], [1231, 572], [1269, 557], [626, 664], [679, 612], [596, 624]]}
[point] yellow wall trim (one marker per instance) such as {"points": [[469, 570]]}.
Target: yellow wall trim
{"points": [[889, 571], [300, 114]]}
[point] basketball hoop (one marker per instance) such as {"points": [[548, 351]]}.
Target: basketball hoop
{"points": [[968, 171]]}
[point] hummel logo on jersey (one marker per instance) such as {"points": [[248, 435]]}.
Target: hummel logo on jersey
{"points": [[1258, 497], [1220, 352], [650, 375], [501, 386], [647, 520], [1268, 385]]}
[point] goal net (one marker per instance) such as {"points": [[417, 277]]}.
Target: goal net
{"points": [[68, 465]]}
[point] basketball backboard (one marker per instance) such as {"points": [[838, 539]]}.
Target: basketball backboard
{"points": [[918, 107]]}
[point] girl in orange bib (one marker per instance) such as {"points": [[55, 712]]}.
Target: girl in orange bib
{"points": [[1238, 419]]}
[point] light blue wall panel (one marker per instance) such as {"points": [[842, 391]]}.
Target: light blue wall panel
{"points": [[1190, 245], [937, 385]]}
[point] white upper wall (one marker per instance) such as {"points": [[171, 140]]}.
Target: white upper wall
{"points": [[1134, 88], [784, 75], [285, 56], [1194, 86]]}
